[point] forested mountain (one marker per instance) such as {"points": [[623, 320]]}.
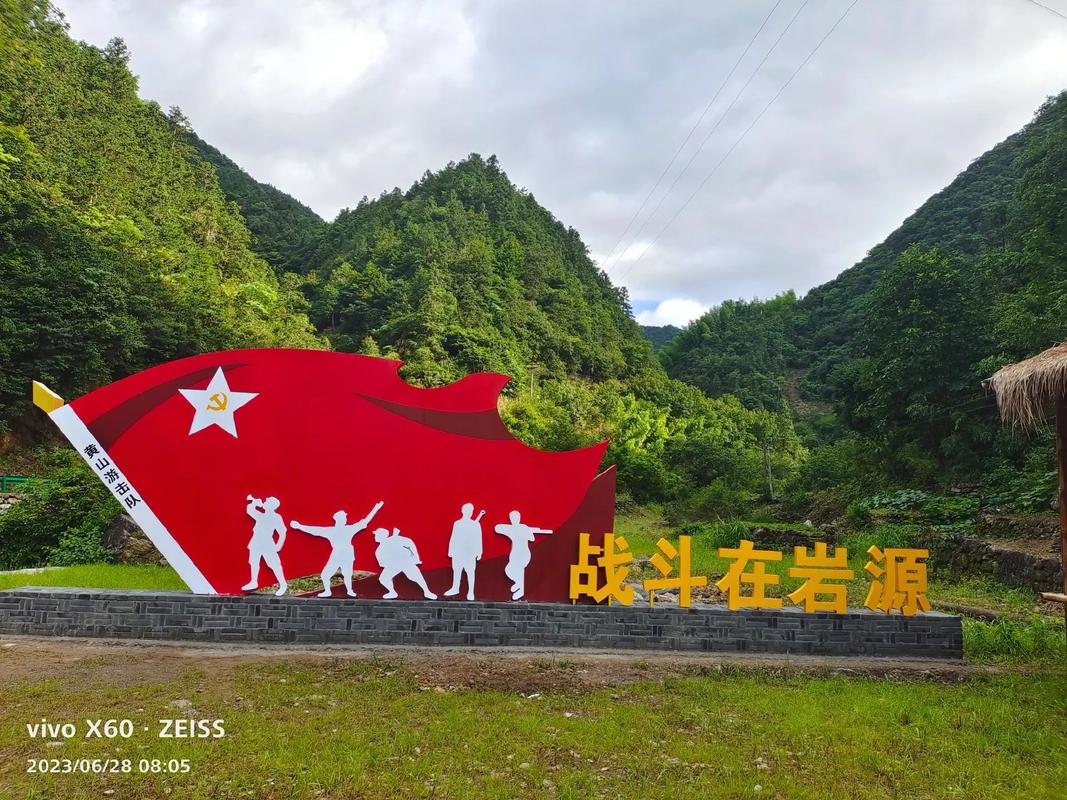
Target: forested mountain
{"points": [[285, 232], [125, 241], [462, 272], [975, 278], [659, 335], [738, 348], [940, 320], [118, 250], [465, 272], [970, 215]]}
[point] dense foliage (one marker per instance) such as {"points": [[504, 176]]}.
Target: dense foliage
{"points": [[285, 232], [976, 278], [707, 458], [465, 272], [938, 321], [973, 214], [61, 519], [118, 250], [737, 348], [659, 335], [125, 241]]}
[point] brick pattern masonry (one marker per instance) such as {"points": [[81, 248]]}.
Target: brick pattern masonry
{"points": [[263, 618]]}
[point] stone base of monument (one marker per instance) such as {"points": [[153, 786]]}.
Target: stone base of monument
{"points": [[263, 618]]}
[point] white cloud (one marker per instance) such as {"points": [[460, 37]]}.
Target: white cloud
{"points": [[318, 60], [678, 311], [585, 103]]}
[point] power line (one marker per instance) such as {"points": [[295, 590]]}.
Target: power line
{"points": [[718, 122], [692, 130], [1048, 9], [741, 138], [959, 409]]}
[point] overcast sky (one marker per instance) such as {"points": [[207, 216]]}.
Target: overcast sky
{"points": [[585, 103]]}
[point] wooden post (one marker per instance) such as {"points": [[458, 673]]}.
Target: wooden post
{"points": [[767, 466], [1061, 467]]}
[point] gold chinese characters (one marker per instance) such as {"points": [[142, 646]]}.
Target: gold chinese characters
{"points": [[899, 576]]}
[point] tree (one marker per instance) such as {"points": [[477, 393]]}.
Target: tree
{"points": [[924, 334]]}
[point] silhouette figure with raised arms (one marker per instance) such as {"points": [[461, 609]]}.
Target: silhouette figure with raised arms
{"points": [[343, 555], [465, 549], [396, 554], [521, 535], [263, 546]]}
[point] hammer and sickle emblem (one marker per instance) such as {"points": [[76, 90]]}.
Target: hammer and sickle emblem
{"points": [[217, 402]]}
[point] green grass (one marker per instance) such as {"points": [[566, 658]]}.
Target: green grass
{"points": [[97, 576], [1038, 640], [780, 526], [369, 729], [984, 592]]}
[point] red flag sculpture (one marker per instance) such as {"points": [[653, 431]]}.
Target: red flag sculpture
{"points": [[249, 468]]}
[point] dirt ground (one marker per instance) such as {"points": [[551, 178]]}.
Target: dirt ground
{"points": [[125, 663], [1043, 548]]}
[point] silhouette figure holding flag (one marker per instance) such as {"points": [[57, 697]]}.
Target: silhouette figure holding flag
{"points": [[397, 554], [465, 549], [262, 546], [343, 555], [521, 535]]}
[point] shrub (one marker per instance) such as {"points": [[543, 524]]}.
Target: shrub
{"points": [[888, 535], [912, 504], [899, 501], [1023, 482], [716, 534], [81, 545], [69, 502], [716, 501], [954, 510], [644, 477], [858, 515]]}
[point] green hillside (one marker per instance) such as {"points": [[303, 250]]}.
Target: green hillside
{"points": [[971, 215], [285, 232], [118, 249], [659, 335], [462, 272], [739, 348], [975, 278], [465, 272], [126, 241], [122, 247]]}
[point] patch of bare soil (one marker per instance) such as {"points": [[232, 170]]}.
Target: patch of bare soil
{"points": [[1042, 548], [525, 671]]}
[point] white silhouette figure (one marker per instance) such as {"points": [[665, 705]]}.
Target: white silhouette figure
{"points": [[343, 555], [263, 546], [465, 549], [397, 554], [521, 535]]}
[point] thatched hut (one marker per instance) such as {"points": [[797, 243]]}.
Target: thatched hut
{"points": [[1028, 394]]}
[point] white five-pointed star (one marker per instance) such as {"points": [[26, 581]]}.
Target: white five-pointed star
{"points": [[216, 404]]}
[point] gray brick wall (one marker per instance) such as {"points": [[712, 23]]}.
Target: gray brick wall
{"points": [[264, 618]]}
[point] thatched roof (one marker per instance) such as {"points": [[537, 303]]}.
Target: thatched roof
{"points": [[1026, 392]]}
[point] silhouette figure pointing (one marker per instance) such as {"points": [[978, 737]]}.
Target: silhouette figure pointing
{"points": [[343, 555]]}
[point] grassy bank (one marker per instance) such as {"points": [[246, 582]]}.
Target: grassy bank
{"points": [[97, 576], [383, 729]]}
